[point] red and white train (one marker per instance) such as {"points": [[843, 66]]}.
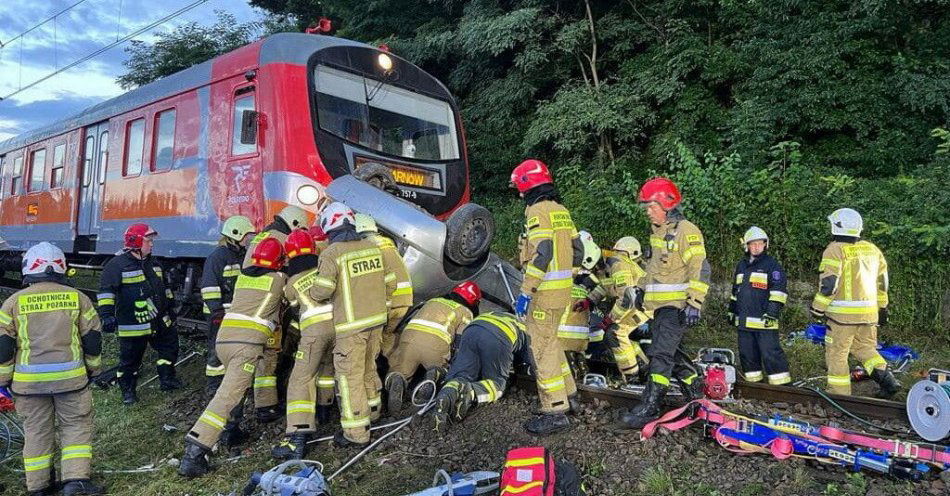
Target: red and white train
{"points": [[269, 124]]}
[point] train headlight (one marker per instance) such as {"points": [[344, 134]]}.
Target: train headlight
{"points": [[307, 194], [385, 62]]}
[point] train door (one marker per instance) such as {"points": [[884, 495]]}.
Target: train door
{"points": [[95, 156]]}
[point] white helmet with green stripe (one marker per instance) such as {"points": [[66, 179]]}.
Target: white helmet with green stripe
{"points": [[846, 222], [237, 226], [754, 233]]}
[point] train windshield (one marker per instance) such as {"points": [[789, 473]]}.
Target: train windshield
{"points": [[384, 117]]}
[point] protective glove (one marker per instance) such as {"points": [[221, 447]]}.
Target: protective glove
{"points": [[5, 392], [691, 315], [521, 306], [769, 321], [217, 317], [145, 310], [605, 323], [583, 305], [882, 316], [108, 324], [638, 301]]}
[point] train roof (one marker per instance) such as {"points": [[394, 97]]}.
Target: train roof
{"points": [[288, 48]]}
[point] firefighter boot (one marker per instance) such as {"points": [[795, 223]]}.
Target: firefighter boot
{"points": [[888, 383], [428, 389], [649, 408], [323, 414], [395, 390], [268, 414], [574, 401], [81, 487], [212, 383], [547, 423], [444, 406], [340, 441], [127, 385], [167, 379], [232, 435], [292, 447], [46, 491], [195, 462]]}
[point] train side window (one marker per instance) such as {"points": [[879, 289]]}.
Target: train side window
{"points": [[242, 102], [134, 147], [89, 154], [163, 153], [103, 155], [17, 176], [37, 170], [59, 161]]}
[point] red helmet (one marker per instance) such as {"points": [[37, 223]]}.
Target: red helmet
{"points": [[662, 191], [136, 234], [529, 174], [469, 291], [268, 254], [300, 242], [318, 234]]}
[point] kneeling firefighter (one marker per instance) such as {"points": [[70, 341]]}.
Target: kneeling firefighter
{"points": [[427, 341], [852, 296], [758, 296], [254, 314], [479, 369], [55, 331]]}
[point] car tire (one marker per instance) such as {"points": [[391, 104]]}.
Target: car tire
{"points": [[378, 176], [469, 233]]}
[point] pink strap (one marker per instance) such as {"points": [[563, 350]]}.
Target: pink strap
{"points": [[666, 421], [896, 447]]}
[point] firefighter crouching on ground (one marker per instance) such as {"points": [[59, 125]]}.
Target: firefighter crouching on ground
{"points": [[220, 271], [622, 277], [574, 331], [315, 349], [254, 314], [354, 279], [547, 257], [675, 286], [758, 296], [135, 303], [479, 370], [852, 296], [54, 330], [427, 341]]}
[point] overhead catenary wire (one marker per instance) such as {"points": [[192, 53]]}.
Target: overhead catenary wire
{"points": [[98, 52], [41, 23]]}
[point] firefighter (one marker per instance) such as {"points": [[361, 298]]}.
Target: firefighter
{"points": [[758, 296], [289, 218], [574, 331], [547, 257], [427, 341], [622, 275], [315, 321], [852, 296], [487, 348], [220, 271], [135, 302], [399, 302], [353, 277], [246, 327], [675, 287], [48, 370]]}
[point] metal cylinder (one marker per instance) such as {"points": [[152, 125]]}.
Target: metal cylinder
{"points": [[928, 408]]}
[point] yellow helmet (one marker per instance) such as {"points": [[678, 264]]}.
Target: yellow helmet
{"points": [[630, 246], [237, 226], [365, 223]]}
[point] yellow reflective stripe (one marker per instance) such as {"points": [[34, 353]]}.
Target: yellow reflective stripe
{"points": [[882, 299], [162, 361], [135, 333], [374, 401], [699, 286], [505, 327], [324, 282], [780, 378], [390, 277], [106, 301], [821, 301], [520, 489], [211, 371], [657, 242], [660, 379], [524, 462], [301, 407], [693, 251], [435, 331], [49, 376], [94, 362], [540, 233], [76, 451], [664, 296], [852, 310], [553, 284], [316, 319], [829, 262], [531, 270], [364, 323], [211, 295], [5, 318], [37, 462], [778, 296], [554, 384], [874, 362], [89, 314], [212, 419], [247, 324], [325, 382], [266, 381], [133, 279], [839, 380], [6, 369], [402, 291]]}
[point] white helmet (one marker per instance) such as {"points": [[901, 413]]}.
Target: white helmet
{"points": [[846, 222], [365, 223], [43, 257], [334, 215], [754, 233], [630, 246], [591, 250], [294, 216]]}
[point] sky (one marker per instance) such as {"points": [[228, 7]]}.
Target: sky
{"points": [[89, 26]]}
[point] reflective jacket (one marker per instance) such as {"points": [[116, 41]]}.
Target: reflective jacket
{"points": [[354, 278], [758, 288], [401, 297], [277, 230], [853, 283], [440, 317], [310, 313], [255, 310], [218, 276], [49, 339], [547, 254], [677, 272], [622, 275], [134, 292]]}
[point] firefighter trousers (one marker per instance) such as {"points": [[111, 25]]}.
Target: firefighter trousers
{"points": [[240, 361], [164, 340], [416, 349], [352, 358], [314, 348], [483, 360], [668, 329], [859, 340], [552, 372], [627, 353], [265, 378], [72, 412], [760, 350], [390, 336], [214, 370]]}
